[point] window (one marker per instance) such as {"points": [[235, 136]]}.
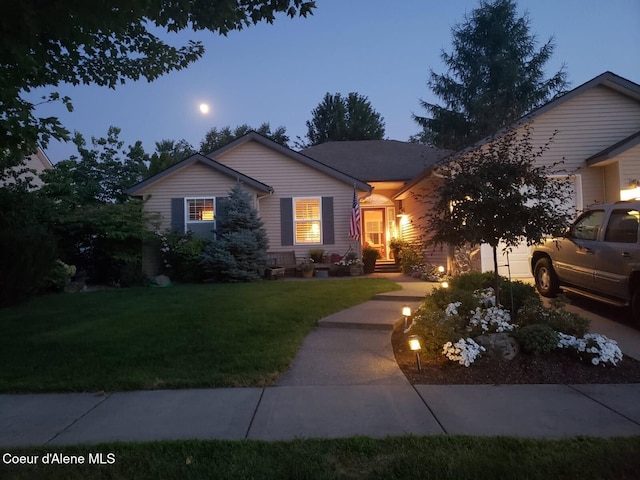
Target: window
{"points": [[200, 210], [587, 226], [307, 219], [622, 227]]}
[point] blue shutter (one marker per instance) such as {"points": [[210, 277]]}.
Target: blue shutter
{"points": [[221, 213], [177, 215], [286, 221], [327, 221]]}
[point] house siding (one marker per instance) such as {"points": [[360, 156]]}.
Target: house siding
{"points": [[586, 125], [629, 166], [413, 227], [290, 178], [612, 182], [195, 180]]}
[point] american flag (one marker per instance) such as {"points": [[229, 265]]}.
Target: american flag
{"points": [[354, 226]]}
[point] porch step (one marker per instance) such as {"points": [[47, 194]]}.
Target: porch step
{"points": [[386, 266]]}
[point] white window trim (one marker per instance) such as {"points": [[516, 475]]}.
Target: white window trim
{"points": [[186, 211], [295, 222]]}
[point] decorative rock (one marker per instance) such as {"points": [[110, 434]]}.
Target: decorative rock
{"points": [[500, 345], [161, 280]]}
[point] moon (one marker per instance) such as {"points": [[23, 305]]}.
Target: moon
{"points": [[204, 108]]}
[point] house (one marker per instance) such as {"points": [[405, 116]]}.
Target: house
{"points": [[598, 137], [33, 166], [386, 165], [303, 203], [304, 198]]}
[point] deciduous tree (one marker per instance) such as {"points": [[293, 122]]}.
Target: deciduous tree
{"points": [[215, 138], [338, 118], [104, 42], [499, 193]]}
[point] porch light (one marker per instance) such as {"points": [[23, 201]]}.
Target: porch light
{"points": [[416, 346], [440, 269], [444, 284], [406, 313]]}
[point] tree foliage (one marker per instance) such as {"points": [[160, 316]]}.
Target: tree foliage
{"points": [[499, 193], [168, 153], [338, 118], [215, 138], [496, 74], [103, 42], [239, 252], [98, 229]]}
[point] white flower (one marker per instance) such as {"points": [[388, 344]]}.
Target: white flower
{"points": [[492, 318], [452, 309], [464, 351], [603, 349]]}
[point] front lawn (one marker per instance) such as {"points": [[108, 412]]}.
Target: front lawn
{"points": [[218, 335], [440, 457]]}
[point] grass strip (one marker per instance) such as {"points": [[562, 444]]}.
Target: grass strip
{"points": [[440, 457]]}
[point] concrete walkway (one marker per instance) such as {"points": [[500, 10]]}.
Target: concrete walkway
{"points": [[343, 382]]}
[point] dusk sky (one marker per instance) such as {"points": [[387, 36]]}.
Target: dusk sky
{"points": [[279, 73]]}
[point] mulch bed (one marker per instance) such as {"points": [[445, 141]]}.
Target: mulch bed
{"points": [[556, 367]]}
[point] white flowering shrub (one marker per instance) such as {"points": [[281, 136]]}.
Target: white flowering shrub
{"points": [[465, 351], [600, 349], [492, 319], [452, 309], [487, 297]]}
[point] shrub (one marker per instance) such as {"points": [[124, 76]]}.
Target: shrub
{"points": [[556, 317], [26, 257], [411, 260], [316, 254], [538, 338], [59, 276], [521, 292], [436, 329], [179, 253]]}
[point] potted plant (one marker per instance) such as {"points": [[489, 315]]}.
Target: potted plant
{"points": [[306, 267], [396, 245], [369, 257]]}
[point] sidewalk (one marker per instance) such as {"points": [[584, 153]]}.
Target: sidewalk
{"points": [[343, 382]]}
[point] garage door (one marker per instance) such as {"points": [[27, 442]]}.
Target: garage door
{"points": [[518, 257]]}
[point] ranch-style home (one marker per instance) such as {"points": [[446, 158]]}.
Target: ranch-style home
{"points": [[305, 198]]}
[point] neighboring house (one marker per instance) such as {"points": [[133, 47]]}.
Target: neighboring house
{"points": [[303, 203], [36, 163], [386, 165], [598, 136]]}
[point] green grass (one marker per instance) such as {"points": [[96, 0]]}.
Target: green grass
{"points": [[216, 335], [441, 457]]}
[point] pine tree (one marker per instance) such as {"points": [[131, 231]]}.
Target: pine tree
{"points": [[239, 252], [495, 76]]}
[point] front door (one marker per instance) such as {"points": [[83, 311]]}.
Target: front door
{"points": [[374, 229]]}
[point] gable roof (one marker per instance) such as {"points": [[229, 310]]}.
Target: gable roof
{"points": [[615, 149], [377, 160], [297, 156], [607, 79], [198, 158]]}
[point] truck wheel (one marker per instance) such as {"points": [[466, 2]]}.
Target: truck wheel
{"points": [[546, 278]]}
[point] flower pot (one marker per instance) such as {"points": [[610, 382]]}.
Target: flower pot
{"points": [[356, 270], [307, 273]]}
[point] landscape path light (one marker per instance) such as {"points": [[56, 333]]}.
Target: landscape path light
{"points": [[406, 313], [416, 346], [441, 269], [444, 284]]}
